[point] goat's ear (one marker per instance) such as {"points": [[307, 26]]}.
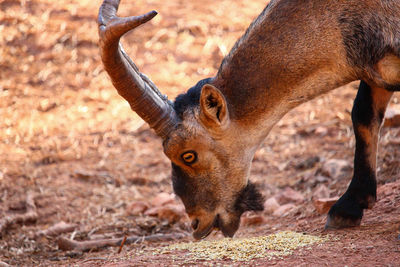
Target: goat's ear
{"points": [[213, 107]]}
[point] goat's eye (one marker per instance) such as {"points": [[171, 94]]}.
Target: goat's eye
{"points": [[189, 157]]}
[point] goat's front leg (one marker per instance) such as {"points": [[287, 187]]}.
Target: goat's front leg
{"points": [[367, 116]]}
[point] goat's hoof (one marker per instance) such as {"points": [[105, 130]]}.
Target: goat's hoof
{"points": [[345, 213], [333, 223]]}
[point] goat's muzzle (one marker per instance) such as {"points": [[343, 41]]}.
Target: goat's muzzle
{"points": [[202, 230]]}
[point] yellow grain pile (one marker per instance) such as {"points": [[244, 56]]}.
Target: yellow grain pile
{"points": [[244, 249]]}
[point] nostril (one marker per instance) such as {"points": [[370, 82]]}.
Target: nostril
{"points": [[195, 224]]}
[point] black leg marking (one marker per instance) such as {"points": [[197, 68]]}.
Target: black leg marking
{"points": [[367, 115]]}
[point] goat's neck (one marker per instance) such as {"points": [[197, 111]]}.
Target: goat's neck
{"points": [[273, 68], [256, 107]]}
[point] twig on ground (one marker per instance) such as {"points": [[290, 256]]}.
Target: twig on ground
{"points": [[29, 216], [57, 229], [122, 244], [68, 244], [95, 259]]}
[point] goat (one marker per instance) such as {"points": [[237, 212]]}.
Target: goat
{"points": [[294, 51]]}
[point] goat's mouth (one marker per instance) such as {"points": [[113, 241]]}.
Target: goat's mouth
{"points": [[228, 230], [206, 231]]}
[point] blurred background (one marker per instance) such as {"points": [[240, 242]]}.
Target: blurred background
{"points": [[68, 138]]}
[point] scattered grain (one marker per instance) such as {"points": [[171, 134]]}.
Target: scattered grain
{"points": [[245, 249]]}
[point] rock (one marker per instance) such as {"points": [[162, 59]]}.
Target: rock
{"points": [[45, 105], [84, 175], [283, 210], [392, 118], [171, 212], [321, 179], [321, 131], [92, 175], [289, 195], [249, 220], [336, 168], [323, 205], [137, 180], [137, 208], [163, 199], [270, 205], [321, 192], [197, 28], [307, 163]]}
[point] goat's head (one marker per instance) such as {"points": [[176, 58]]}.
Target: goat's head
{"points": [[210, 166]]}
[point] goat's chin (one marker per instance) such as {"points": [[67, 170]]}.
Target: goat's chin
{"points": [[229, 229]]}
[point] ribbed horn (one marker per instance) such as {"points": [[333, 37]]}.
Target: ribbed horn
{"points": [[140, 92]]}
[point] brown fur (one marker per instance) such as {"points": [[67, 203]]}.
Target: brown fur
{"points": [[389, 69], [293, 52]]}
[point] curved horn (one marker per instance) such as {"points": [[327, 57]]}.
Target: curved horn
{"points": [[140, 92]]}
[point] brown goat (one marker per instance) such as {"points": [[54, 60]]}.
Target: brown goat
{"points": [[294, 51]]}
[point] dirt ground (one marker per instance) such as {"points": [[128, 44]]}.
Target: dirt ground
{"points": [[69, 141]]}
